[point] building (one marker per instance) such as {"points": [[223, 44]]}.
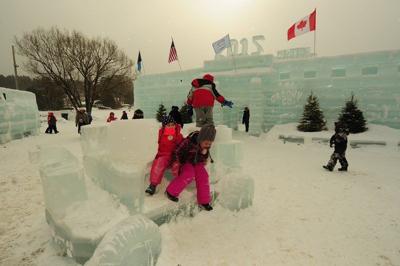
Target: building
{"points": [[275, 88]]}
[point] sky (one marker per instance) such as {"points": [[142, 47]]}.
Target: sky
{"points": [[343, 26]]}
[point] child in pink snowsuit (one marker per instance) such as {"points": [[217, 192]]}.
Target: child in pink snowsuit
{"points": [[192, 155], [169, 137]]}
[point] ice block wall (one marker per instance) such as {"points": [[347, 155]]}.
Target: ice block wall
{"points": [[275, 89], [19, 115]]}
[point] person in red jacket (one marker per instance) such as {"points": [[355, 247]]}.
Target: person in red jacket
{"points": [[52, 123], [111, 117], [202, 96], [169, 137]]}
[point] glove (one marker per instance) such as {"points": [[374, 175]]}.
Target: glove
{"points": [[227, 103]]}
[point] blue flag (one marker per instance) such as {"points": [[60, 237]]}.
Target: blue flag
{"points": [[139, 62]]}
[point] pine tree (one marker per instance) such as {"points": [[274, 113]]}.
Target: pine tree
{"points": [[313, 118], [161, 112], [352, 118], [186, 113]]}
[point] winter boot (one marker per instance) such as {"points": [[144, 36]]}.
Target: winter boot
{"points": [[207, 207], [170, 197], [151, 190], [328, 168], [343, 169]]}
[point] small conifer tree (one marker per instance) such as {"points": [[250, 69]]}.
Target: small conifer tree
{"points": [[313, 118], [352, 118], [161, 112]]}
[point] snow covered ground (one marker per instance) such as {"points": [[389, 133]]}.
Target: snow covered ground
{"points": [[302, 215]]}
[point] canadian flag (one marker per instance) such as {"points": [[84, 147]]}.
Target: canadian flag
{"points": [[302, 26]]}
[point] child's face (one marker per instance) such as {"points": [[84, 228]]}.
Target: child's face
{"points": [[170, 125], [205, 144]]}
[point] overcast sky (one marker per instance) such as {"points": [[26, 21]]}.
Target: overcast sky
{"points": [[343, 26]]}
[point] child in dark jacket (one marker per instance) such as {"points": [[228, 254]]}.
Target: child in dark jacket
{"points": [[339, 140], [169, 137], [192, 155]]}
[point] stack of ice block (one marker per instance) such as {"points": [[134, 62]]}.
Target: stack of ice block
{"points": [[62, 179], [19, 115], [116, 156]]}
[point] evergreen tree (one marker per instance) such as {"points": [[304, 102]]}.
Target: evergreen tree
{"points": [[313, 118], [352, 118], [161, 112], [186, 113]]}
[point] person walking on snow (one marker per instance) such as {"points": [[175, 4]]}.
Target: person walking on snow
{"points": [[246, 118], [81, 119], [192, 155], [124, 115], [169, 137], [339, 140], [111, 117], [202, 96], [52, 123]]}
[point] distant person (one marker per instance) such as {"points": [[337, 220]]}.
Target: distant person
{"points": [[202, 96], [169, 137], [52, 123], [111, 117], [124, 116], [176, 115], [138, 114], [339, 140], [192, 154], [246, 118], [81, 119]]}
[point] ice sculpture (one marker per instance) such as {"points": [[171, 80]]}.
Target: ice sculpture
{"points": [[62, 180], [275, 87], [237, 191], [19, 115], [134, 241], [116, 157]]}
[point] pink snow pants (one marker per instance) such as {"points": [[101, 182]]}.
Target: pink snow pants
{"points": [[160, 164], [187, 174]]}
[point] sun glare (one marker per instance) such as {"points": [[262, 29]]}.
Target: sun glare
{"points": [[224, 7]]}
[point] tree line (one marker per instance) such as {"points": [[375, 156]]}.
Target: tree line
{"points": [[51, 97], [80, 68]]}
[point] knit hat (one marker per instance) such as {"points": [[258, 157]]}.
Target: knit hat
{"points": [[208, 77], [167, 119], [207, 132]]}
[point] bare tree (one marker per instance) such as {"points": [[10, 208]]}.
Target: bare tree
{"points": [[74, 62]]}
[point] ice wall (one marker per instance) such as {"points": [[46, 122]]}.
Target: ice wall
{"points": [[275, 88], [19, 115]]}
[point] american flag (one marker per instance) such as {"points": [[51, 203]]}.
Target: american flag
{"points": [[172, 53]]}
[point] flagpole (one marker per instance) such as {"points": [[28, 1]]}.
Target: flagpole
{"points": [[144, 70], [233, 58], [315, 35]]}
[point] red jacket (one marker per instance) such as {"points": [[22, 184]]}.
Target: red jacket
{"points": [[203, 94], [111, 118], [168, 143]]}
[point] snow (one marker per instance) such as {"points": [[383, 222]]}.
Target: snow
{"points": [[301, 214]]}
